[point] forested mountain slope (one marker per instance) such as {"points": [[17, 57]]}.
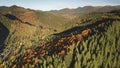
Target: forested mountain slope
{"points": [[91, 40]]}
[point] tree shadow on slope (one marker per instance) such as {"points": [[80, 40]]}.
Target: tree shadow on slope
{"points": [[78, 29], [12, 17], [4, 32], [116, 12]]}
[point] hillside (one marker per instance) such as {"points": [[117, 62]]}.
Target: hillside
{"points": [[33, 17], [38, 39], [21, 26], [18, 23]]}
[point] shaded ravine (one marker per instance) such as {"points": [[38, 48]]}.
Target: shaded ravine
{"points": [[4, 32]]}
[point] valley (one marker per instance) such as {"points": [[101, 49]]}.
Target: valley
{"points": [[83, 37]]}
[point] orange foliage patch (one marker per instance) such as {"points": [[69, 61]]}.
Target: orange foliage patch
{"points": [[101, 25], [12, 57], [29, 61], [79, 37], [86, 32], [28, 50], [14, 66], [22, 26], [72, 39]]}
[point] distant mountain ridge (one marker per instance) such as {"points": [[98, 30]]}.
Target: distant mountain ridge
{"points": [[90, 8], [67, 13]]}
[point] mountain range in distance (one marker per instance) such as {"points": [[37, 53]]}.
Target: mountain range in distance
{"points": [[72, 13]]}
